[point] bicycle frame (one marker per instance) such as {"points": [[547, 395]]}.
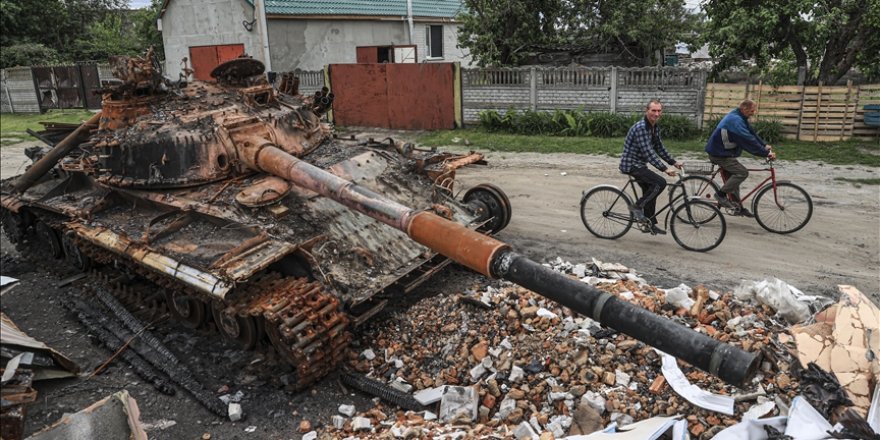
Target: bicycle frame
{"points": [[631, 186], [771, 178]]}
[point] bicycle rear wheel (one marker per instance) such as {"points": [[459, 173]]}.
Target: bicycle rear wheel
{"points": [[787, 212], [698, 226], [605, 212]]}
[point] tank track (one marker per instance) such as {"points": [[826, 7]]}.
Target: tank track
{"points": [[302, 321]]}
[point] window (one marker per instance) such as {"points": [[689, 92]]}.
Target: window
{"points": [[435, 41]]}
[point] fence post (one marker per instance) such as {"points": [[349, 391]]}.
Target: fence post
{"points": [[818, 110], [533, 88], [613, 98], [846, 121], [758, 101], [801, 111], [701, 100]]}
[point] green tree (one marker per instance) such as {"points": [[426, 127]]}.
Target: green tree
{"points": [[496, 32], [641, 29], [106, 38], [826, 38], [148, 33], [52, 23]]}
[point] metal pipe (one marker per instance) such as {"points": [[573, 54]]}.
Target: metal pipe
{"points": [[494, 258], [729, 363], [42, 166]]}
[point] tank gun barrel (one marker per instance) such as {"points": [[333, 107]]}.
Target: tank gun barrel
{"points": [[496, 259], [47, 162]]}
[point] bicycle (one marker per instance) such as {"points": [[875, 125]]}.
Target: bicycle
{"points": [[695, 224], [788, 210]]}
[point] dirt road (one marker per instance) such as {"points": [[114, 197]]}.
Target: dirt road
{"points": [[840, 245]]}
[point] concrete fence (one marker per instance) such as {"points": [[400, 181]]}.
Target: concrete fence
{"points": [[610, 89]]}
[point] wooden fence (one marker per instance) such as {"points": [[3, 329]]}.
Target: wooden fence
{"points": [[812, 113]]}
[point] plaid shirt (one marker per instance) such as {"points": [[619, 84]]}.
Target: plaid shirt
{"points": [[643, 145]]}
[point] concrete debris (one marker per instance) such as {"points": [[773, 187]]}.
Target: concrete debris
{"points": [[235, 412], [527, 362], [524, 431], [429, 395], [311, 435], [361, 424], [348, 410], [337, 421], [115, 416], [844, 341]]}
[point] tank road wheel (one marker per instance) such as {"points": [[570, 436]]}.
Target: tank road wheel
{"points": [[305, 326], [74, 256], [187, 310], [241, 329], [489, 203], [48, 238]]}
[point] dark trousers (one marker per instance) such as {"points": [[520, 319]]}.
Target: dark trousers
{"points": [[736, 174], [652, 185]]}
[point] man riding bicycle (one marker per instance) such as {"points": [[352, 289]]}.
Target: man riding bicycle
{"points": [[732, 135], [643, 145]]}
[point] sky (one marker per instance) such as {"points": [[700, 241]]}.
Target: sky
{"points": [[138, 4]]}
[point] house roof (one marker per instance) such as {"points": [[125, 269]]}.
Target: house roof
{"points": [[396, 8], [366, 8]]}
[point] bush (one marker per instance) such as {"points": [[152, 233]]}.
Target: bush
{"points": [[28, 54], [490, 120], [604, 124], [678, 127], [769, 129]]}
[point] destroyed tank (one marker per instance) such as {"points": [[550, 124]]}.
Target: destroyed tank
{"points": [[236, 200]]}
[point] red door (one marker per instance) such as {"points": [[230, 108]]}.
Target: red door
{"points": [[205, 58]]}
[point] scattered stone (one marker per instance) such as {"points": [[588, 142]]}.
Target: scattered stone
{"points": [[311, 435], [305, 426], [337, 421], [525, 432], [348, 410], [234, 412], [368, 354], [361, 424]]}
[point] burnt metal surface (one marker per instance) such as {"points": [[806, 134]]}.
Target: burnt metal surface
{"points": [[196, 188]]}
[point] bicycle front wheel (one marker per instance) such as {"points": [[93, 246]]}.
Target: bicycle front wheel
{"points": [[696, 188], [605, 212], [783, 211], [699, 187], [698, 226]]}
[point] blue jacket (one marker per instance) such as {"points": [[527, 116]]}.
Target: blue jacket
{"points": [[734, 134], [639, 148]]}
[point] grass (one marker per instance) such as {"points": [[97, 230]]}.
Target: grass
{"points": [[852, 152], [13, 126]]}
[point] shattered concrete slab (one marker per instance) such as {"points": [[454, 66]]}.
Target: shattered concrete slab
{"points": [[114, 417], [846, 343]]}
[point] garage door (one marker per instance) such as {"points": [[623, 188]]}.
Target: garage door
{"points": [[206, 58]]}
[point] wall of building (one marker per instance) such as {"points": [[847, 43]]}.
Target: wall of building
{"points": [[189, 23], [451, 53], [310, 44]]}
